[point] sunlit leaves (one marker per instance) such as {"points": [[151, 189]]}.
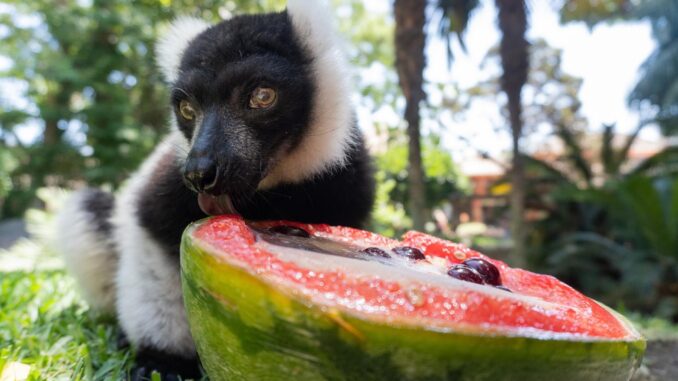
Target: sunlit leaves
{"points": [[593, 11]]}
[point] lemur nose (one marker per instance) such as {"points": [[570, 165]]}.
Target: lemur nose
{"points": [[201, 174]]}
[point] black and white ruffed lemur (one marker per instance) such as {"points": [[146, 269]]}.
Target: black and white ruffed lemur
{"points": [[264, 127]]}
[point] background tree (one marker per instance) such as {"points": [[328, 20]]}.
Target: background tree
{"points": [[512, 16], [410, 41], [444, 181], [593, 11], [658, 84]]}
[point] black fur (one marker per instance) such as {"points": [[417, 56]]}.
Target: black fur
{"points": [[165, 207], [219, 71], [171, 367], [100, 205], [237, 145], [340, 197]]}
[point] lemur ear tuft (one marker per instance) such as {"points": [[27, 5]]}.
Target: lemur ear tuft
{"points": [[172, 44], [314, 24], [326, 145]]}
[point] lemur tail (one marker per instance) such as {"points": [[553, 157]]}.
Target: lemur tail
{"points": [[83, 237]]}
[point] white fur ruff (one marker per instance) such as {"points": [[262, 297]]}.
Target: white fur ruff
{"points": [[173, 43], [330, 136]]}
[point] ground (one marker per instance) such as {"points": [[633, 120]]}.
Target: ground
{"points": [[660, 362]]}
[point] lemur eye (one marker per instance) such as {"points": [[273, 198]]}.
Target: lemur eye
{"points": [[262, 97], [186, 110]]}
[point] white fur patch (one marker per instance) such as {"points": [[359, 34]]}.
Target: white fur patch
{"points": [[150, 305], [88, 254], [171, 46], [324, 147]]}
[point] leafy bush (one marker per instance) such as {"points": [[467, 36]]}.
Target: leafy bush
{"points": [[443, 180], [611, 234], [631, 256]]}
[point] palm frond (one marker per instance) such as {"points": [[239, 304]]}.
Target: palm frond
{"points": [[575, 153], [650, 203], [453, 20], [623, 153], [547, 169], [610, 162], [663, 163]]}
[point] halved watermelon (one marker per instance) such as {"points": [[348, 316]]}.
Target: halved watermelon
{"points": [[279, 300]]}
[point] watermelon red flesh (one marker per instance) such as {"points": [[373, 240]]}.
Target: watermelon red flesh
{"points": [[538, 306]]}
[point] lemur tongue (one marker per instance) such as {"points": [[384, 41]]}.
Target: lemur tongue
{"points": [[215, 205]]}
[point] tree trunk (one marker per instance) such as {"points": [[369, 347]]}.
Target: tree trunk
{"points": [[410, 40], [51, 136], [51, 112], [514, 60]]}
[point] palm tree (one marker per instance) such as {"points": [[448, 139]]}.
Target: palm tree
{"points": [[410, 17], [410, 40], [512, 16], [659, 77]]}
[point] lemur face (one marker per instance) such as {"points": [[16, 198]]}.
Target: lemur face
{"points": [[243, 101], [261, 99]]}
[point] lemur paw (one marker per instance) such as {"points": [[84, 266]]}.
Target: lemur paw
{"points": [[169, 367]]}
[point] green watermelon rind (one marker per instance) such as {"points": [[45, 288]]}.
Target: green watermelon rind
{"points": [[247, 329]]}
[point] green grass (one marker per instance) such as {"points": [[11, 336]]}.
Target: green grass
{"points": [[654, 328], [45, 324]]}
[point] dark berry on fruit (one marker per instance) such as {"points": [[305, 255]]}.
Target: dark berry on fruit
{"points": [[409, 252], [488, 271], [290, 230], [503, 288], [375, 252], [465, 273]]}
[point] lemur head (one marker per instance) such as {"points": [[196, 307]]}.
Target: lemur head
{"points": [[261, 99]]}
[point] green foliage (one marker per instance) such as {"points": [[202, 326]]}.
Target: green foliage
{"points": [[613, 234], [454, 17], [443, 178], [389, 217], [443, 181], [551, 96], [654, 328], [658, 84], [593, 11], [652, 205], [629, 255]]}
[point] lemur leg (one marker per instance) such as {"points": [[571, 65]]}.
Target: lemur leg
{"points": [[151, 311], [149, 299]]}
